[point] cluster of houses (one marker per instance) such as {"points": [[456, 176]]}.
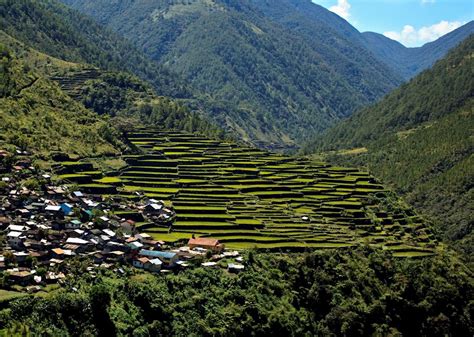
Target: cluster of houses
{"points": [[41, 228]]}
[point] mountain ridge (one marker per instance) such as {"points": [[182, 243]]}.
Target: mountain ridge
{"points": [[411, 61]]}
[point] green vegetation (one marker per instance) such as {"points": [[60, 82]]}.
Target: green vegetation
{"points": [[411, 61], [35, 115], [254, 70], [349, 292], [419, 139], [122, 95], [56, 30]]}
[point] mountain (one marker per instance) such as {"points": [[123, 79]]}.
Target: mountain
{"points": [[410, 61], [419, 139], [94, 59], [276, 83]]}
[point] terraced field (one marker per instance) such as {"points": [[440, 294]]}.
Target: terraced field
{"points": [[251, 198]]}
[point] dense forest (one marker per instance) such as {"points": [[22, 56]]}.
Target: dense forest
{"points": [[419, 139], [276, 73], [353, 292]]}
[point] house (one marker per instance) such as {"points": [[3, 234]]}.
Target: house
{"points": [[140, 262], [20, 277], [135, 245], [76, 241], [235, 267], [59, 253], [20, 257], [128, 226], [74, 224], [54, 211], [98, 258], [78, 194], [109, 233], [17, 228], [115, 256], [143, 237], [76, 233], [67, 208], [153, 265], [153, 208], [15, 239], [116, 246], [169, 259], [52, 208], [206, 243], [86, 214]]}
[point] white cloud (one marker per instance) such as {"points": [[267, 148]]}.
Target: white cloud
{"points": [[342, 9], [409, 36], [423, 2]]}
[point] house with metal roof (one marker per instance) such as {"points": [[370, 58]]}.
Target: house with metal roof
{"points": [[169, 259]]}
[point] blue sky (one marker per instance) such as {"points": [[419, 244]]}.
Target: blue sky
{"points": [[411, 22]]}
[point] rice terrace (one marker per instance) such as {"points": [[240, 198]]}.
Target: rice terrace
{"points": [[250, 198]]}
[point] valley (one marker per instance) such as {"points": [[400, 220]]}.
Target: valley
{"points": [[235, 168]]}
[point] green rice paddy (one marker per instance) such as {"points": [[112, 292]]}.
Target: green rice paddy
{"points": [[249, 198]]}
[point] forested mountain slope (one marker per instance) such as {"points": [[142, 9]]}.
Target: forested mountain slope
{"points": [[275, 83], [37, 116], [419, 138], [52, 28], [128, 99], [410, 61]]}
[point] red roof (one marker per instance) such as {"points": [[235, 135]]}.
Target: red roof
{"points": [[143, 260], [205, 242]]}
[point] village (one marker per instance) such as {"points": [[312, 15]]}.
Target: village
{"points": [[44, 226]]}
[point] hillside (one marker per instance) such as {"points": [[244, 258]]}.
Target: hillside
{"points": [[118, 94], [121, 95], [410, 61], [58, 31], [37, 116], [419, 139], [275, 84]]}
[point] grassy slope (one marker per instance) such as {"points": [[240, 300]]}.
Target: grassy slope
{"points": [[37, 116], [419, 138]]}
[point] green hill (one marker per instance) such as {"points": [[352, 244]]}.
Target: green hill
{"points": [[419, 139], [37, 116], [272, 84], [112, 93], [124, 96]]}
